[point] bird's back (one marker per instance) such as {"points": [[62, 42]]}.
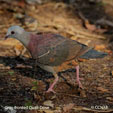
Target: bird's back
{"points": [[53, 49]]}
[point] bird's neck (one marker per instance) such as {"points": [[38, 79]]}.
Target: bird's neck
{"points": [[24, 38]]}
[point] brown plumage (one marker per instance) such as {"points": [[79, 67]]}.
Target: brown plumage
{"points": [[54, 53], [53, 49]]}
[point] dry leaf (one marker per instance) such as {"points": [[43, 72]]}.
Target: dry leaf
{"points": [[48, 103], [47, 111], [100, 30], [13, 79], [21, 3], [5, 67], [89, 26], [68, 107], [93, 27], [102, 89], [100, 47], [109, 98], [23, 66], [109, 51], [82, 60], [83, 93]]}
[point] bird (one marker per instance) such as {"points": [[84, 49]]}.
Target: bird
{"points": [[53, 52]]}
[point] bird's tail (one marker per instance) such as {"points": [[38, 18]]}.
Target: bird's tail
{"points": [[93, 54]]}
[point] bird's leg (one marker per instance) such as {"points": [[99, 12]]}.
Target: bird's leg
{"points": [[78, 78], [53, 84]]}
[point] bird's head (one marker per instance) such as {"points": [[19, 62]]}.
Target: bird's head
{"points": [[14, 32]]}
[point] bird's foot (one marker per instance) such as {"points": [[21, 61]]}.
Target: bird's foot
{"points": [[78, 78], [79, 83], [50, 90], [52, 85]]}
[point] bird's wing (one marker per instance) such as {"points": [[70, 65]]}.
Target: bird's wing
{"points": [[57, 49], [76, 49]]}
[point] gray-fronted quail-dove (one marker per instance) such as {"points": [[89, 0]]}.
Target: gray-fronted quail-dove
{"points": [[54, 53]]}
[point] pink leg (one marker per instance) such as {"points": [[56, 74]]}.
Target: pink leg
{"points": [[52, 85], [78, 78]]}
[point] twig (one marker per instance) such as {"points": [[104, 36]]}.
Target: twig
{"points": [[104, 22]]}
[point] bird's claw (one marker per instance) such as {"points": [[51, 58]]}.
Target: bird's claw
{"points": [[50, 90]]}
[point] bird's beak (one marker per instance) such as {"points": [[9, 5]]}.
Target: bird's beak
{"points": [[7, 36]]}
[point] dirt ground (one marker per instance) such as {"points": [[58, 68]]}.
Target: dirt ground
{"points": [[24, 84]]}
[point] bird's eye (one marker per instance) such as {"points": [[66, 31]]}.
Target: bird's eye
{"points": [[12, 32]]}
